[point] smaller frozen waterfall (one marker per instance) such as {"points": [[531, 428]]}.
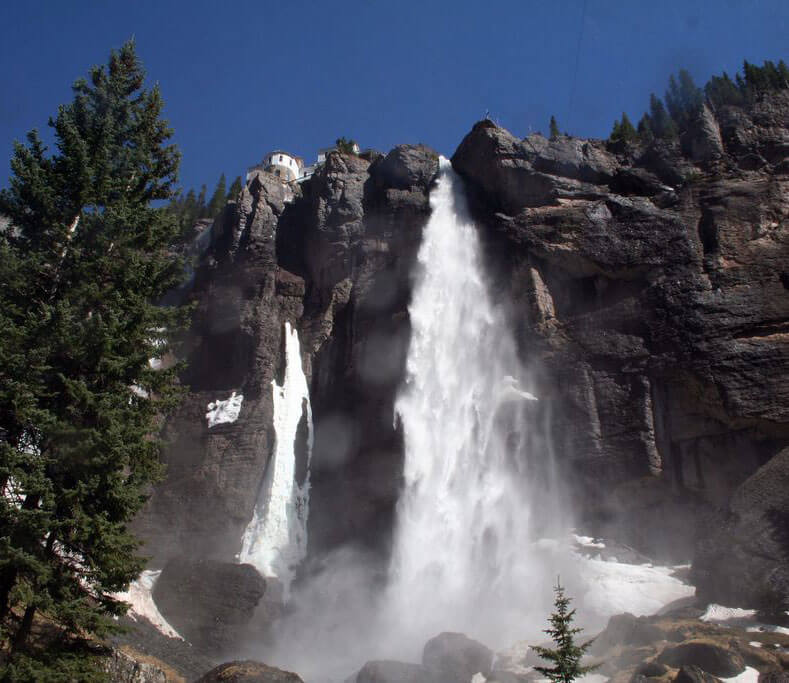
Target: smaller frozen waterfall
{"points": [[275, 541]]}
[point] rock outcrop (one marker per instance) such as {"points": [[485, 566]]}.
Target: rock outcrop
{"points": [[248, 672], [647, 288], [208, 602], [454, 657]]}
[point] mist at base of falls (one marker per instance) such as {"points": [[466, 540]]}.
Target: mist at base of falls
{"points": [[480, 486]]}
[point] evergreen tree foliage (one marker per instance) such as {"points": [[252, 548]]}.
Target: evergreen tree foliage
{"points": [[623, 131], [683, 98], [566, 656], [82, 268], [721, 90], [235, 189], [661, 124], [554, 128], [346, 145], [645, 133], [218, 199]]}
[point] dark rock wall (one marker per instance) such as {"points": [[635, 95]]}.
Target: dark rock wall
{"points": [[647, 288], [333, 257]]}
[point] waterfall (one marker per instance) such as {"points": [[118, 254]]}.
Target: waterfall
{"points": [[461, 559], [275, 541]]}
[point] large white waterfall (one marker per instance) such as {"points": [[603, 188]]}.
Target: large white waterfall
{"points": [[461, 559], [275, 541]]}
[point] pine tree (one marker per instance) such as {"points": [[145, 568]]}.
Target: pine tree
{"points": [[645, 133], [82, 268], [662, 124], [554, 128], [683, 99], [201, 210], [218, 199], [235, 190], [623, 130], [567, 655]]}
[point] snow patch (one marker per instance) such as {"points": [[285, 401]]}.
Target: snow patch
{"points": [[615, 587], [768, 628], [140, 597], [755, 643], [587, 542], [720, 613], [224, 411], [750, 675]]}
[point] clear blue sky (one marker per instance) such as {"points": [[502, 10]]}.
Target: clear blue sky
{"points": [[240, 78]]}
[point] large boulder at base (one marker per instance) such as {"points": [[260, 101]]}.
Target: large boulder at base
{"points": [[455, 658], [208, 602], [744, 561], [693, 674], [248, 672], [714, 658], [391, 671], [121, 667], [626, 629], [774, 677]]}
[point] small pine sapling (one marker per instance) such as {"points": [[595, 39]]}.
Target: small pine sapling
{"points": [[567, 655]]}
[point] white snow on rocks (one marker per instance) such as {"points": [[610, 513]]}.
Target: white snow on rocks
{"points": [[750, 675], [720, 613], [587, 542], [140, 597], [224, 411], [615, 587]]}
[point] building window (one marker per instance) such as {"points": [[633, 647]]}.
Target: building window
{"points": [[280, 157], [276, 172]]}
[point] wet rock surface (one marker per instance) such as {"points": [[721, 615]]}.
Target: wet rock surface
{"points": [[456, 657], [208, 602], [647, 289], [248, 672], [390, 671]]}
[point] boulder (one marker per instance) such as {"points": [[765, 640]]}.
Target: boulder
{"points": [[122, 667], [391, 671], [455, 658], [208, 602], [651, 669], [248, 672], [702, 141], [712, 657], [774, 676], [744, 561], [626, 629], [693, 674], [406, 167]]}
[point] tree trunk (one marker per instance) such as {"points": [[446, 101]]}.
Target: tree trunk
{"points": [[7, 582], [24, 629]]}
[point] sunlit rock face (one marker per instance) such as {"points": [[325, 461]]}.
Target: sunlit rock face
{"points": [[645, 288], [649, 286], [332, 258]]}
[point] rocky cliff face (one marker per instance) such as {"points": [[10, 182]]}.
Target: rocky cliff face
{"points": [[647, 287], [333, 257]]}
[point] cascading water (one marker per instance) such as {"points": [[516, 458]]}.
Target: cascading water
{"points": [[275, 541], [461, 559]]}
